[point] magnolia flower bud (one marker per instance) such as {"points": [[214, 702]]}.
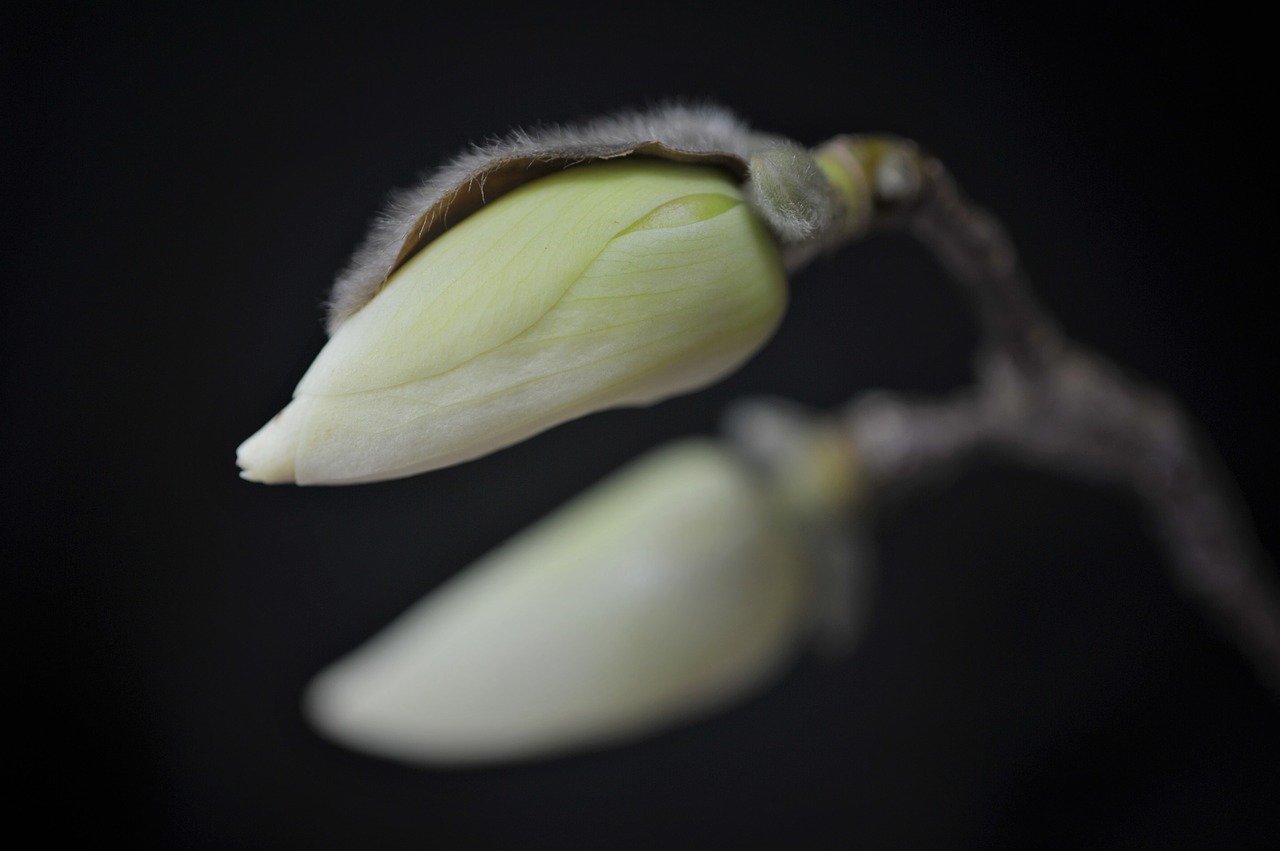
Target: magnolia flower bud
{"points": [[550, 274], [609, 284], [667, 591]]}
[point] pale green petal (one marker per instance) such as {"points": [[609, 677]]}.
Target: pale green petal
{"points": [[496, 273], [667, 591], [614, 284], [712, 308]]}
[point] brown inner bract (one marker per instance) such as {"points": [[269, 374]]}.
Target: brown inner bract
{"points": [[499, 177]]}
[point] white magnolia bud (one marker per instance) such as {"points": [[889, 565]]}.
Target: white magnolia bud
{"points": [[669, 590], [608, 284]]}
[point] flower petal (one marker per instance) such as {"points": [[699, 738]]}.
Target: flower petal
{"points": [[612, 284], [663, 593]]}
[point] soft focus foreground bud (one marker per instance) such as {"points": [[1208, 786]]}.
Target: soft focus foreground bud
{"points": [[609, 284], [669, 590]]}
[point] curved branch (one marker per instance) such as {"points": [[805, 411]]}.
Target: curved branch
{"points": [[1049, 403]]}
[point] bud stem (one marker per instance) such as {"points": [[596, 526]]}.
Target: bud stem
{"points": [[1047, 401]]}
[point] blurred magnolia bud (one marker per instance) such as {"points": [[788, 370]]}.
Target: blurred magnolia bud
{"points": [[670, 590], [554, 274]]}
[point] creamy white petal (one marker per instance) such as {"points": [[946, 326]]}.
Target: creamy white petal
{"points": [[614, 284], [667, 591]]}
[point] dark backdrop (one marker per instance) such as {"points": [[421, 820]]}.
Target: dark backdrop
{"points": [[181, 187]]}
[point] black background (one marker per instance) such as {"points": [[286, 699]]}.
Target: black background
{"points": [[181, 186]]}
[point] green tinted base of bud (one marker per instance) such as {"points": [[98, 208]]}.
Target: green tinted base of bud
{"points": [[881, 178]]}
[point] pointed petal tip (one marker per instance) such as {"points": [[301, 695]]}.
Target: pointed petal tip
{"points": [[267, 456], [346, 710], [339, 711], [321, 709]]}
